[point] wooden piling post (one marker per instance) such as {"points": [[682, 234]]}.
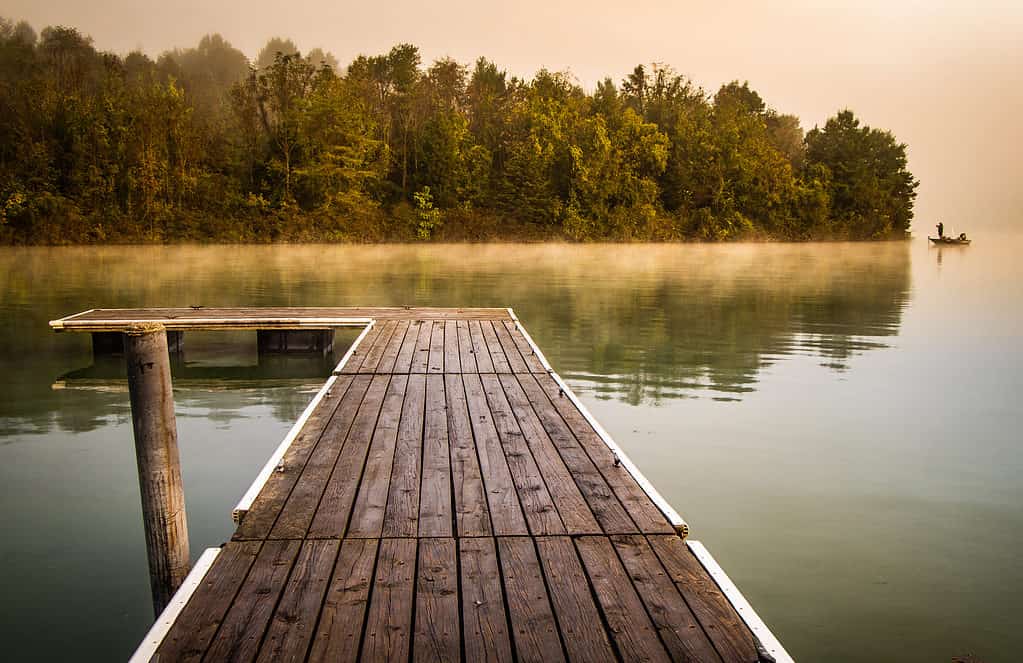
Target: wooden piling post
{"points": [[156, 449]]}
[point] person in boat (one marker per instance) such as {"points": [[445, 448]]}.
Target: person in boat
{"points": [[941, 230]]}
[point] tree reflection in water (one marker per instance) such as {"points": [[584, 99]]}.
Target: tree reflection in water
{"points": [[640, 323]]}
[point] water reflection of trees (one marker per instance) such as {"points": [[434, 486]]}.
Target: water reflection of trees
{"points": [[710, 319], [638, 322]]}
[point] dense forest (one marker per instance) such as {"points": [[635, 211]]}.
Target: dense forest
{"points": [[205, 144]]}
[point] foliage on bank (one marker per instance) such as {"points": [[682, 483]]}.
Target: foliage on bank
{"points": [[201, 144]]}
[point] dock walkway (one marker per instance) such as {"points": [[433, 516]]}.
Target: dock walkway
{"points": [[445, 497]]}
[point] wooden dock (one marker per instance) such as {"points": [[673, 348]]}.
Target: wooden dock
{"points": [[445, 497]]}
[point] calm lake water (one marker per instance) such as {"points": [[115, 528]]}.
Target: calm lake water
{"points": [[839, 423]]}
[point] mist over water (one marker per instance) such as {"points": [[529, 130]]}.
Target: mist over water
{"points": [[838, 422]]}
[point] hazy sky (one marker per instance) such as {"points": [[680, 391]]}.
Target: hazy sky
{"points": [[945, 77]]}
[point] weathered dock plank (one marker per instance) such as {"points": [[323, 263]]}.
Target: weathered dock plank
{"points": [[627, 619], [339, 494], [389, 623], [445, 499], [436, 498], [534, 630], [242, 631], [437, 633], [581, 627], [339, 633], [486, 634]]}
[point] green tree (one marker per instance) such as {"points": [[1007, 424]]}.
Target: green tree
{"points": [[343, 162], [870, 188], [275, 46], [198, 144], [282, 93]]}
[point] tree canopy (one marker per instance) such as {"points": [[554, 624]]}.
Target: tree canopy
{"points": [[204, 144]]}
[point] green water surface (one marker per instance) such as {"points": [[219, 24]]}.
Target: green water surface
{"points": [[839, 423]]}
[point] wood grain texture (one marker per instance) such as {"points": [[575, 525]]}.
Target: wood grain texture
{"points": [[368, 513], [159, 465], [359, 352], [599, 496], [564, 486], [530, 484], [724, 627], [403, 362], [421, 358], [335, 507], [383, 341], [511, 351], [292, 626], [483, 614], [437, 633], [435, 497], [529, 355], [497, 356], [242, 631], [505, 512], [198, 622], [641, 509], [452, 359], [339, 632], [532, 619], [401, 517], [466, 352], [484, 364], [261, 317], [298, 511], [633, 632], [376, 539], [680, 632], [582, 628], [390, 354], [472, 513], [268, 504], [437, 353], [389, 621]]}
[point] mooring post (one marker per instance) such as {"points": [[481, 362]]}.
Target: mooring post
{"points": [[156, 449]]}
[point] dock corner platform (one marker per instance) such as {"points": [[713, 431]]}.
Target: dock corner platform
{"points": [[445, 496]]}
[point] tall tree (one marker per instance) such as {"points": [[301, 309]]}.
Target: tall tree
{"points": [[282, 94], [275, 46], [871, 190]]}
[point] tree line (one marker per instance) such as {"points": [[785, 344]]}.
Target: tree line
{"points": [[202, 144]]}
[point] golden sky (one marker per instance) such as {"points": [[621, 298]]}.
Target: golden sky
{"points": [[945, 77]]}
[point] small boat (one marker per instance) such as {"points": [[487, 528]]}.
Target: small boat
{"points": [[953, 241]]}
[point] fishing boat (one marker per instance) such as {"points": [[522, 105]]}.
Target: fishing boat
{"points": [[954, 241]]}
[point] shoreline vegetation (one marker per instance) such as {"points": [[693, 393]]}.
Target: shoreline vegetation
{"points": [[204, 145]]}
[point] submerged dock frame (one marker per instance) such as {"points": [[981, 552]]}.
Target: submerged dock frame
{"points": [[395, 361]]}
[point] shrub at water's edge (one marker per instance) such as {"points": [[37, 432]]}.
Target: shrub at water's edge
{"points": [[202, 145]]}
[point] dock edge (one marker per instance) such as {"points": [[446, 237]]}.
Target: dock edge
{"points": [[161, 627], [765, 639], [245, 503], [680, 526]]}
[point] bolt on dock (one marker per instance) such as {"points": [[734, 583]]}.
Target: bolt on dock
{"points": [[445, 496]]}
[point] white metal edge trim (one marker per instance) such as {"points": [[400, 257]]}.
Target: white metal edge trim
{"points": [[677, 522], [275, 459], [85, 325], [766, 639], [58, 324], [161, 627], [536, 349], [352, 347], [245, 503]]}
